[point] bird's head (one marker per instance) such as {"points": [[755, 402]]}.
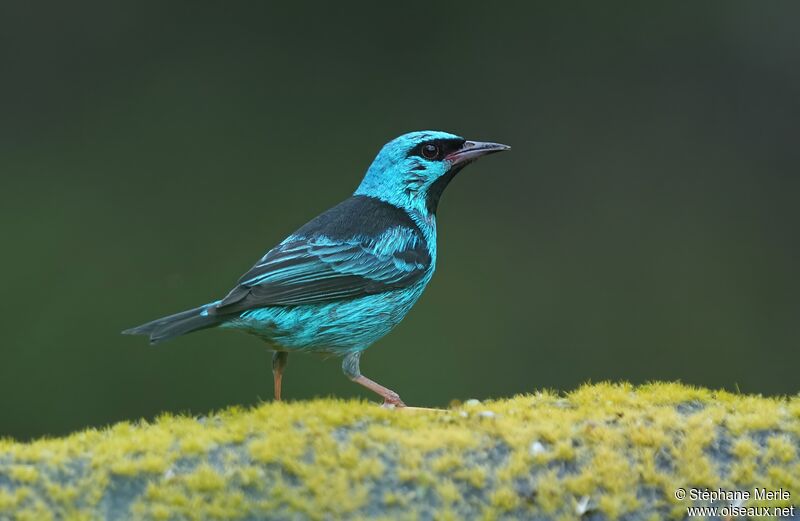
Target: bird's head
{"points": [[413, 170]]}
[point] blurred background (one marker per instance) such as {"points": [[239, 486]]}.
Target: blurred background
{"points": [[644, 227]]}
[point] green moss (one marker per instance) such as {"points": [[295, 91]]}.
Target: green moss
{"points": [[613, 450], [23, 473]]}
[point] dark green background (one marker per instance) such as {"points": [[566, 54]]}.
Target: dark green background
{"points": [[644, 226]]}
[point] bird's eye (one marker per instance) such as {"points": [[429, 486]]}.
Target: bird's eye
{"points": [[430, 151]]}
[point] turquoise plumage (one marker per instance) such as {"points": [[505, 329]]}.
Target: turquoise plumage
{"points": [[347, 277]]}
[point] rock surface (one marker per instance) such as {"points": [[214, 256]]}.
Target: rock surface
{"points": [[604, 451]]}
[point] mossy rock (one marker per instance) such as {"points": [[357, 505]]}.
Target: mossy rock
{"points": [[606, 451]]}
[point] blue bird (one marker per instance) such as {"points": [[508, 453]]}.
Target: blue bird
{"points": [[347, 277]]}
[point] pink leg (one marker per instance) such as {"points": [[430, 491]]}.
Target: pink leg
{"points": [[350, 366], [389, 397]]}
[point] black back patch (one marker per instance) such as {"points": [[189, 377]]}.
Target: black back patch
{"points": [[358, 215]]}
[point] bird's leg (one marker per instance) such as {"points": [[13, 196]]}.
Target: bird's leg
{"points": [[350, 366], [279, 360]]}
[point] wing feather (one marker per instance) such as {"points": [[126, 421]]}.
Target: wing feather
{"points": [[317, 269]]}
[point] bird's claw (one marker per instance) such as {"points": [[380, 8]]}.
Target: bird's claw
{"points": [[392, 401]]}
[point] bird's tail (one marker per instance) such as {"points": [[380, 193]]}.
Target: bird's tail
{"points": [[178, 324]]}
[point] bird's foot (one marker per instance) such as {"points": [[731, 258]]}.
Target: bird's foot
{"points": [[392, 400]]}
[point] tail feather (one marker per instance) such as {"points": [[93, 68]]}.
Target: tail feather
{"points": [[178, 324]]}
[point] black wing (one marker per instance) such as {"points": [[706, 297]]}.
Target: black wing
{"points": [[360, 247]]}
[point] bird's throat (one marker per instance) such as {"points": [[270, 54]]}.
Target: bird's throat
{"points": [[437, 188]]}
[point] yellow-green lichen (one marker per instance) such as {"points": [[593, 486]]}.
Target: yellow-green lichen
{"points": [[612, 450]]}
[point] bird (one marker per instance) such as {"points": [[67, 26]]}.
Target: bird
{"points": [[346, 278]]}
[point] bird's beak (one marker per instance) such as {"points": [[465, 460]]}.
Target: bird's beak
{"points": [[472, 150]]}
